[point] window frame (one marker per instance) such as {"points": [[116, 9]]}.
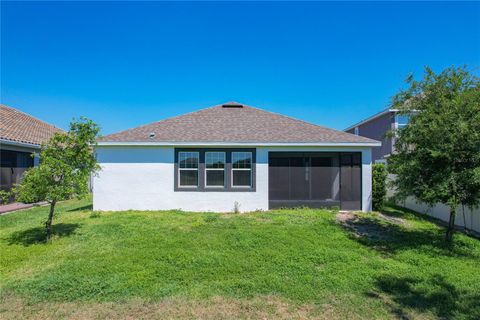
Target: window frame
{"points": [[224, 170], [202, 172], [242, 169], [400, 124], [188, 169]]}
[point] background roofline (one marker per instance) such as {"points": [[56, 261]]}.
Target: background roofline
{"points": [[376, 115]]}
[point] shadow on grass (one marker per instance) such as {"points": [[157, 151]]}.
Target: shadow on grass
{"points": [[390, 238], [84, 208], [397, 211], [38, 235], [434, 295], [394, 210]]}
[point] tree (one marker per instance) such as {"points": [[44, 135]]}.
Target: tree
{"points": [[66, 163], [379, 185], [437, 156]]}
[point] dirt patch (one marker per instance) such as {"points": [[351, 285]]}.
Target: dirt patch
{"points": [[215, 308], [344, 216], [363, 226], [395, 220]]}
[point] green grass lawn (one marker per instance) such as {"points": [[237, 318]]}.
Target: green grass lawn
{"points": [[299, 263]]}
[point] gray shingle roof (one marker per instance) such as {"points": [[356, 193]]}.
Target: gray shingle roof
{"points": [[235, 123], [21, 127]]}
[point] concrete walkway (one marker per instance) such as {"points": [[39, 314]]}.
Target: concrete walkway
{"points": [[18, 206]]}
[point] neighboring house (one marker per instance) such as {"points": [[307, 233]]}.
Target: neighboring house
{"points": [[376, 127], [21, 135], [232, 156]]}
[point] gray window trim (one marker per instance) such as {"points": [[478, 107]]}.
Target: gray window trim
{"points": [[189, 169], [242, 169], [224, 169], [202, 172]]}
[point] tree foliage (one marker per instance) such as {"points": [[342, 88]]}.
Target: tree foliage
{"points": [[379, 185], [437, 156], [66, 163]]}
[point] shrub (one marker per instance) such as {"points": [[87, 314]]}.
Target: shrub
{"points": [[95, 214], [236, 207], [379, 185], [5, 196]]}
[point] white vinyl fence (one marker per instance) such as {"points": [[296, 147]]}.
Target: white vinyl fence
{"points": [[465, 217]]}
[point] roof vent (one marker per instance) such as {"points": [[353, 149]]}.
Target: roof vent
{"points": [[232, 105], [151, 135]]}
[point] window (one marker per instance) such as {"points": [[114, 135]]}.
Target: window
{"points": [[188, 169], [241, 169], [356, 131], [402, 120], [215, 169]]}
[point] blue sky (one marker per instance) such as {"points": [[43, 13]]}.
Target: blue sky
{"points": [[124, 64]]}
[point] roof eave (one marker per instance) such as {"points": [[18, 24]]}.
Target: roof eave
{"points": [[262, 144], [375, 116], [19, 143]]}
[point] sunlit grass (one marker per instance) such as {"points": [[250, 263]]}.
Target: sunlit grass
{"points": [[302, 257]]}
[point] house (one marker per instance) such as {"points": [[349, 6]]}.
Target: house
{"points": [[376, 127], [232, 155], [21, 135]]}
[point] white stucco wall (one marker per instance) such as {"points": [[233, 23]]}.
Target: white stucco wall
{"points": [[142, 178], [367, 180]]}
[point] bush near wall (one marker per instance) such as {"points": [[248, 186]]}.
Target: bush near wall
{"points": [[379, 185]]}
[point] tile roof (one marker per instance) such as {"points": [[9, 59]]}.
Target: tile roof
{"points": [[21, 127], [233, 122]]}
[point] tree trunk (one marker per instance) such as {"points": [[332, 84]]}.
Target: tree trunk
{"points": [[48, 224], [451, 225]]}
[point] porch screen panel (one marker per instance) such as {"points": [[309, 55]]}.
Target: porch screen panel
{"points": [[279, 176], [299, 179], [315, 179], [13, 165], [325, 178], [351, 187]]}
